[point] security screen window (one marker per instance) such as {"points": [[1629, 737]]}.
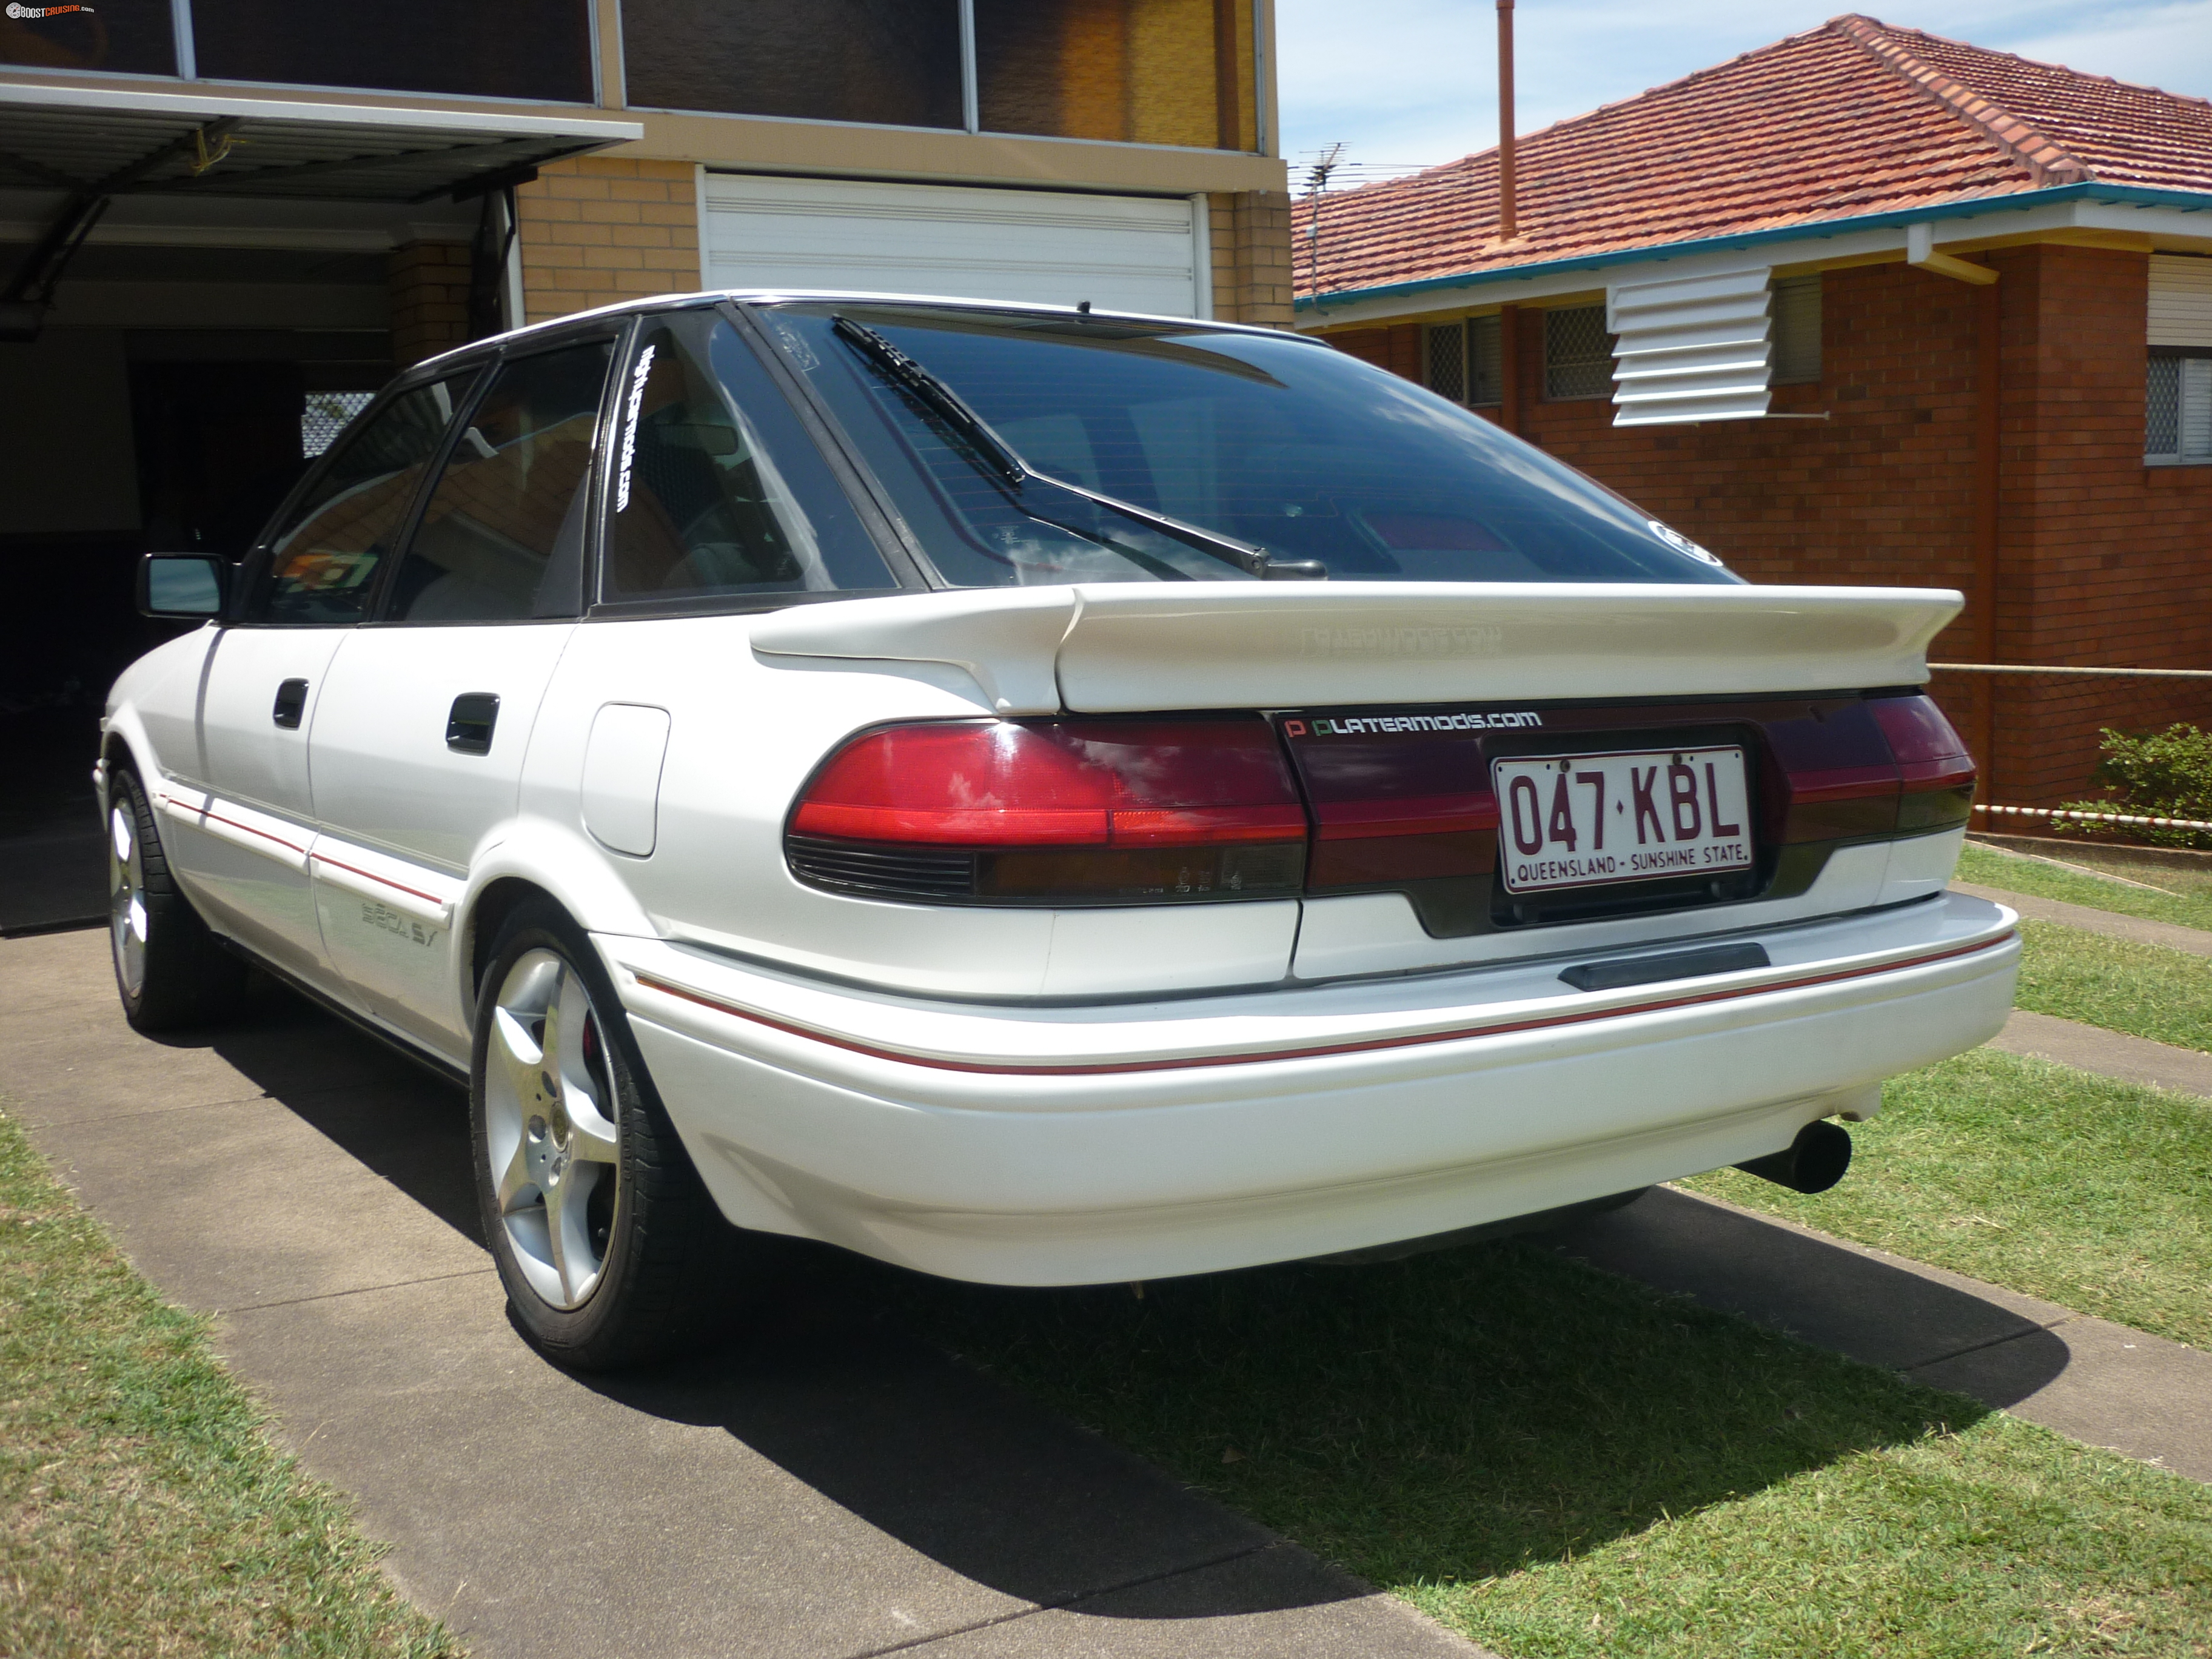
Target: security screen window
{"points": [[1577, 354], [894, 63], [1143, 71], [127, 37], [1282, 444], [515, 49]]}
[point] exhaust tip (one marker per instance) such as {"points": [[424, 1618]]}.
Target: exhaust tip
{"points": [[1813, 1163]]}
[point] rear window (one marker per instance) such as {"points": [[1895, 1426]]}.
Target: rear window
{"points": [[1300, 450]]}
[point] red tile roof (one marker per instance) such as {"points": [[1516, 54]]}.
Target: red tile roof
{"points": [[1851, 118]]}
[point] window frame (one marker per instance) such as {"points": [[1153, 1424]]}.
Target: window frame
{"points": [[1800, 284], [2171, 456], [971, 101]]}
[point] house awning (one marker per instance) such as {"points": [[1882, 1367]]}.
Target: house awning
{"points": [[96, 142]]}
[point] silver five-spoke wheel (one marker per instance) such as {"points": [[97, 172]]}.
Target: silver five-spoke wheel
{"points": [[127, 900], [550, 1128]]}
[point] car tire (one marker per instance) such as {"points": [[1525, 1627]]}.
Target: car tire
{"points": [[171, 972], [612, 1250]]}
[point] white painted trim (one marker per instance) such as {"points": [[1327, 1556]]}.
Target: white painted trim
{"points": [[180, 26], [2179, 227], [699, 215], [197, 107], [512, 300], [971, 73], [1201, 258]]}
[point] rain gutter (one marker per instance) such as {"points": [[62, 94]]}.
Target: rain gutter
{"points": [[2188, 201]]}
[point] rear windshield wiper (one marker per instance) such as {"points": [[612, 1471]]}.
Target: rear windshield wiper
{"points": [[999, 457]]}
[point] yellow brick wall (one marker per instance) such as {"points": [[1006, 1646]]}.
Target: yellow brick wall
{"points": [[1251, 256], [600, 229], [428, 283]]}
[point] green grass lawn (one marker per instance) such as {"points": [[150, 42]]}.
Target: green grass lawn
{"points": [[1558, 1462], [142, 1510], [2145, 990], [2189, 903], [2087, 1192]]}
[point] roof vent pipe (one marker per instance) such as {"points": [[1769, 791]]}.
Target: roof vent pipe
{"points": [[1507, 230]]}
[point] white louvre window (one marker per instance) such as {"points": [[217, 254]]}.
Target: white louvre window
{"points": [[1797, 330], [1486, 361], [325, 415], [1691, 347], [1447, 360], [2180, 310], [1577, 352], [2178, 408]]}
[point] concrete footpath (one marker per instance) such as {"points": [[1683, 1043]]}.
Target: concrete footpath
{"points": [[2196, 941], [2094, 1048], [836, 1487]]}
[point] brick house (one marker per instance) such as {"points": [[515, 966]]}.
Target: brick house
{"points": [[224, 222], [1864, 306]]}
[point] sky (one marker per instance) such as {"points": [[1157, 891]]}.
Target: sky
{"points": [[1402, 83]]}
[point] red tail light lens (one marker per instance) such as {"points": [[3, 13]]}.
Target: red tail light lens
{"points": [[1938, 772], [1055, 812]]}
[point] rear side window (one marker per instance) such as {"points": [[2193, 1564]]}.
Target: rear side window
{"points": [[502, 537], [322, 561], [718, 490]]}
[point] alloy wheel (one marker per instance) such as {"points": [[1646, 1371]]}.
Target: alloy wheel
{"points": [[126, 898], [551, 1133]]}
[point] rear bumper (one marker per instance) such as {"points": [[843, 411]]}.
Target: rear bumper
{"points": [[1060, 1145]]}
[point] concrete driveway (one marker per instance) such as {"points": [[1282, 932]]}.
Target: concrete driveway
{"points": [[835, 1487]]}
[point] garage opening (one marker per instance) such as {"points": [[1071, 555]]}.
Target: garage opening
{"points": [[183, 327]]}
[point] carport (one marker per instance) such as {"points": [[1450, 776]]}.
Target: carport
{"points": [[198, 289]]}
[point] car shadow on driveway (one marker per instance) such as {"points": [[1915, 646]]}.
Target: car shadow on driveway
{"points": [[1458, 1414]]}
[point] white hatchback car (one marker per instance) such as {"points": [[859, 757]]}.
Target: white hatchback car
{"points": [[1037, 796]]}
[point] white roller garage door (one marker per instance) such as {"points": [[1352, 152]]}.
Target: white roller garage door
{"points": [[1120, 252]]}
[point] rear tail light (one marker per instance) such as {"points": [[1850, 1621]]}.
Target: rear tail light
{"points": [[1150, 811], [1055, 813], [1935, 773]]}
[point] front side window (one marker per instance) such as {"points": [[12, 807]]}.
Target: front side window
{"points": [[1282, 444], [502, 537], [718, 491], [324, 559]]}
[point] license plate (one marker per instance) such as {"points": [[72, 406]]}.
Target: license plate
{"points": [[1641, 815]]}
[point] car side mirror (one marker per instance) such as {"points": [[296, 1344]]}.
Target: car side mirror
{"points": [[186, 586]]}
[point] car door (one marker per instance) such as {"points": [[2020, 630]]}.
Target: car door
{"points": [[243, 796], [420, 731]]}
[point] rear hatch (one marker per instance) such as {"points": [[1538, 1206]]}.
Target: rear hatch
{"points": [[1494, 771]]}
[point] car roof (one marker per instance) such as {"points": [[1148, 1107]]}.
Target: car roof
{"points": [[553, 325]]}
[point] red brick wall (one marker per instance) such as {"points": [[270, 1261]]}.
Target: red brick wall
{"points": [[2100, 560]]}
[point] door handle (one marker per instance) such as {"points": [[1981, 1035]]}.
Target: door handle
{"points": [[291, 702], [469, 727]]}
